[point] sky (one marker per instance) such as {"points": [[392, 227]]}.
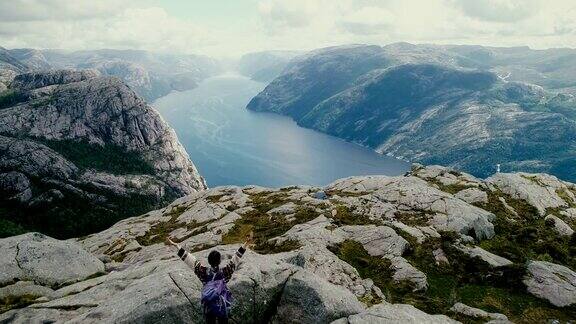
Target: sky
{"points": [[229, 28]]}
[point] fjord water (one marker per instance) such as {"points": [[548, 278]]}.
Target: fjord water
{"points": [[231, 145]]}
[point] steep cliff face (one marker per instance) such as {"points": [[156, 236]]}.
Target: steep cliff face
{"points": [[433, 246], [436, 105], [80, 151]]}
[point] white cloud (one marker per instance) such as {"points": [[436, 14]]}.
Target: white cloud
{"points": [[536, 23], [26, 10], [140, 28], [286, 24], [368, 21], [499, 10]]}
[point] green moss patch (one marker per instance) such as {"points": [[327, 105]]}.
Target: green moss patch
{"points": [[519, 306], [564, 195], [108, 158], [341, 193], [420, 218], [526, 236], [12, 302], [214, 198], [162, 229], [451, 188], [467, 280], [347, 216], [267, 226], [265, 201]]}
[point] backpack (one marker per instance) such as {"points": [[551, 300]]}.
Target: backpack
{"points": [[216, 298]]}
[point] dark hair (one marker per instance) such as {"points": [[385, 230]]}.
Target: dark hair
{"points": [[214, 258]]}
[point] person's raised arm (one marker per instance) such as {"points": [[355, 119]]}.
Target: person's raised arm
{"points": [[188, 258], [231, 266]]}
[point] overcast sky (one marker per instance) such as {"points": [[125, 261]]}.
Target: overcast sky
{"points": [[232, 27]]}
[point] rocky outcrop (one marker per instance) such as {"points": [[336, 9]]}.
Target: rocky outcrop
{"points": [[310, 299], [540, 190], [81, 137], [473, 195], [46, 261], [491, 259], [394, 313], [559, 225], [342, 257], [553, 282], [479, 314], [37, 80]]}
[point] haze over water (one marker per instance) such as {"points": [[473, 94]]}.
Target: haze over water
{"points": [[231, 145]]}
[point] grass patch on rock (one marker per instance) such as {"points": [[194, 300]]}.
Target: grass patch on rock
{"points": [[564, 195], [450, 188], [465, 279], [265, 226], [419, 218], [10, 302], [526, 236], [347, 216], [160, 231], [341, 193], [519, 306]]}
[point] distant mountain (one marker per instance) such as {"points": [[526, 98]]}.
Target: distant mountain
{"points": [[151, 75], [9, 68], [265, 66], [79, 151], [450, 105]]}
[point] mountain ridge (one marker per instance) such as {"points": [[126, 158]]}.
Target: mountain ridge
{"points": [[151, 75]]}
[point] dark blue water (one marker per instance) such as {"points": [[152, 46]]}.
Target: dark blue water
{"points": [[231, 145]]}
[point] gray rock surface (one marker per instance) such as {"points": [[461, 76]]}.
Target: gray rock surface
{"points": [[394, 313], [553, 282], [540, 190], [45, 261], [478, 313], [309, 299], [400, 195], [491, 259], [404, 271], [559, 225], [472, 195], [325, 264], [299, 273], [37, 80]]}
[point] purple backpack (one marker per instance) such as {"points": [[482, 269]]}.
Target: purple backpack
{"points": [[216, 298]]}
